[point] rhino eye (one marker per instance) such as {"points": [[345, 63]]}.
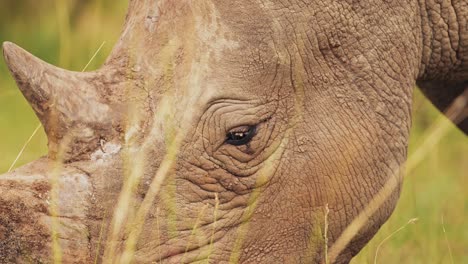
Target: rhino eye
{"points": [[241, 135]]}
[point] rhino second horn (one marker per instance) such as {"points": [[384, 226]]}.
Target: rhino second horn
{"points": [[68, 104]]}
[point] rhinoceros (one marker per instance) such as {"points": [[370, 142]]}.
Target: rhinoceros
{"points": [[230, 131]]}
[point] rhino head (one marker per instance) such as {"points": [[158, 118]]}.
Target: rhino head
{"points": [[227, 131]]}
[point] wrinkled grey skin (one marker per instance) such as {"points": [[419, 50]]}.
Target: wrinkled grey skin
{"points": [[327, 83]]}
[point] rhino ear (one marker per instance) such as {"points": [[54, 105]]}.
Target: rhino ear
{"points": [[64, 101]]}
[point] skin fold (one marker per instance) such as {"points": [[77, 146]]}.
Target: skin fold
{"points": [[140, 168]]}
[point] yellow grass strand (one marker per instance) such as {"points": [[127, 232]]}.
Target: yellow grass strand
{"points": [[215, 219], [411, 221], [54, 198], [263, 176], [194, 230], [158, 230], [447, 241], [56, 249], [132, 176], [62, 10], [101, 232], [94, 56], [436, 134], [432, 138], [121, 211], [243, 229], [54, 214], [325, 233], [62, 14], [40, 125], [150, 196], [24, 147]]}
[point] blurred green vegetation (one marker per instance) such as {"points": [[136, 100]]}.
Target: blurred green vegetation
{"points": [[67, 33]]}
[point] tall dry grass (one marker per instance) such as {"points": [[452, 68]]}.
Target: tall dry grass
{"points": [[436, 168]]}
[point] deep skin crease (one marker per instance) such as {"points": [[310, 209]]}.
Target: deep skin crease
{"points": [[327, 85]]}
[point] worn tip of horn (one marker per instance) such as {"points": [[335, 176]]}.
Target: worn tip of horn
{"points": [[28, 71], [25, 68], [18, 60], [9, 53], [7, 47]]}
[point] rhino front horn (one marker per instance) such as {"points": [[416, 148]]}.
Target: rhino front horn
{"points": [[68, 104]]}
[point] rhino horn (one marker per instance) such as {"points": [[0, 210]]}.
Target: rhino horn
{"points": [[70, 105]]}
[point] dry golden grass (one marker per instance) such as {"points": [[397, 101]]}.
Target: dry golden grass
{"points": [[76, 44], [431, 139]]}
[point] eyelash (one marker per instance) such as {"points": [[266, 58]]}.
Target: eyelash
{"points": [[242, 136]]}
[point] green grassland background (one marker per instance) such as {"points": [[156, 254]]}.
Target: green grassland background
{"points": [[67, 33]]}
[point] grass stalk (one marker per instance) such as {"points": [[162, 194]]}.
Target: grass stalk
{"points": [[54, 198], [24, 147], [215, 219], [194, 230], [440, 128], [56, 249], [263, 177], [447, 241], [40, 125], [325, 234], [411, 221], [155, 186], [63, 22], [94, 56]]}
